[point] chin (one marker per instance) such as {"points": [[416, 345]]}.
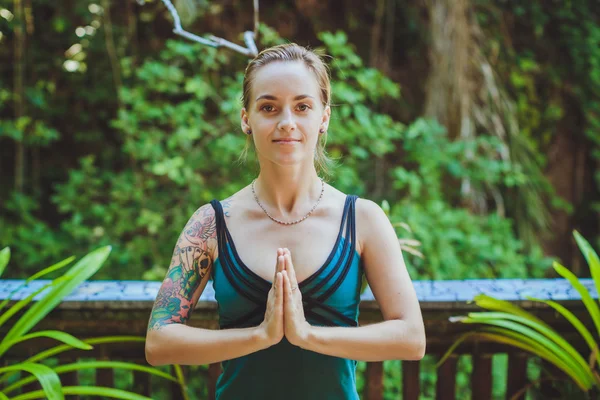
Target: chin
{"points": [[288, 159]]}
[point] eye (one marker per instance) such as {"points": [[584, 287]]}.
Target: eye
{"points": [[267, 108], [303, 107]]}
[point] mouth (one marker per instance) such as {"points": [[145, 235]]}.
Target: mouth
{"points": [[286, 141]]}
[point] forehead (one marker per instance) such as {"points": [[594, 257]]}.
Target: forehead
{"points": [[283, 78]]}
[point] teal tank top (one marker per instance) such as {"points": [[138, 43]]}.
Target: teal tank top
{"points": [[331, 297]]}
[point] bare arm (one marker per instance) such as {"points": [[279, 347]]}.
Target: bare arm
{"points": [[402, 334], [169, 340]]}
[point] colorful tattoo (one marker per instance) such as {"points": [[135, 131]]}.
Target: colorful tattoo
{"points": [[189, 265]]}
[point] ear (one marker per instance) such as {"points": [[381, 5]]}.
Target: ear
{"points": [[245, 124], [325, 119]]}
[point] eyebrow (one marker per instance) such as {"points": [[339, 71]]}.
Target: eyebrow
{"points": [[271, 97]]}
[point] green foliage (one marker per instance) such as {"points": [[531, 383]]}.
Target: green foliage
{"points": [[180, 140], [457, 244], [47, 375], [550, 63], [507, 323]]}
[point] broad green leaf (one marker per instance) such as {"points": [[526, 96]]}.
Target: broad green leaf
{"points": [[23, 302], [4, 259], [515, 339], [3, 396], [490, 303], [52, 268], [590, 304], [533, 346], [87, 391], [114, 364], [540, 349], [57, 335], [577, 324], [91, 341], [544, 341], [516, 343], [79, 272], [591, 257], [542, 328], [82, 365], [51, 387]]}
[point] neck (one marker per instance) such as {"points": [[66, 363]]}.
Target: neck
{"points": [[288, 195]]}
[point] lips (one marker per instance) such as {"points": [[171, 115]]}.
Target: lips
{"points": [[286, 140]]}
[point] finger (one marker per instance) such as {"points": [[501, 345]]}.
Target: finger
{"points": [[287, 289], [278, 288], [278, 266], [279, 301], [289, 266]]}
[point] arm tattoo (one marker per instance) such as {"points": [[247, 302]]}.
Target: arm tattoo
{"points": [[226, 205], [189, 265]]}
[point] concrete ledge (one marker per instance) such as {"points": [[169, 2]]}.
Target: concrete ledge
{"points": [[432, 294]]}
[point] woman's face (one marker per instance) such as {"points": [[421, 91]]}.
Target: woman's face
{"points": [[285, 113]]}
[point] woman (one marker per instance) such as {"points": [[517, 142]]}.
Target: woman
{"points": [[287, 254]]}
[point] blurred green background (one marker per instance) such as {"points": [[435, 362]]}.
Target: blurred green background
{"points": [[477, 121]]}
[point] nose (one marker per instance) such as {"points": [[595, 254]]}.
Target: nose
{"points": [[287, 122]]}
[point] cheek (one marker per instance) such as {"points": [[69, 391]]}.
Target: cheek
{"points": [[262, 124]]}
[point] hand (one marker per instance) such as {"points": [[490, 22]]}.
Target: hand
{"points": [[272, 326], [296, 327]]}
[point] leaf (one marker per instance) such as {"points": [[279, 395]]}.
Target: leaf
{"points": [[542, 328], [542, 340], [51, 387], [87, 391], [82, 365], [91, 341], [4, 259], [81, 271], [454, 345], [57, 335], [540, 349], [491, 303], [51, 268], [577, 324], [591, 257], [517, 340], [181, 380], [590, 304], [22, 303], [39, 274], [517, 343]]}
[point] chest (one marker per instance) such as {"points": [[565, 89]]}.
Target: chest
{"points": [[311, 244]]}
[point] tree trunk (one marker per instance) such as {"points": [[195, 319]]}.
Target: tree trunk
{"points": [[447, 92]]}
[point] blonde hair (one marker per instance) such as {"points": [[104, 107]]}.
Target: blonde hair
{"points": [[314, 62]]}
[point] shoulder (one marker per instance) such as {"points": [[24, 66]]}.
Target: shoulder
{"points": [[371, 220], [200, 230], [202, 225]]}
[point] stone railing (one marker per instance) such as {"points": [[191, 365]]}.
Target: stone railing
{"points": [[99, 308]]}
